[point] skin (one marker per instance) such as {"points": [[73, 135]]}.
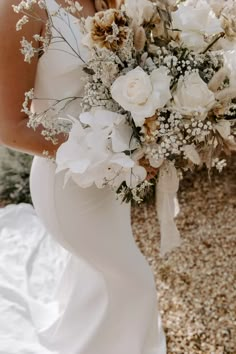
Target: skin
{"points": [[17, 77]]}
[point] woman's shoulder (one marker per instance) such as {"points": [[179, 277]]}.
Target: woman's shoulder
{"points": [[16, 76], [10, 14]]}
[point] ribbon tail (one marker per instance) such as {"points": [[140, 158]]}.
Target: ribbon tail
{"points": [[176, 206], [167, 209]]}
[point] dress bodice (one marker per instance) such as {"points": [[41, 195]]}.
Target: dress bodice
{"points": [[59, 73]]}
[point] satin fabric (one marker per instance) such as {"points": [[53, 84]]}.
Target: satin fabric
{"points": [[106, 298]]}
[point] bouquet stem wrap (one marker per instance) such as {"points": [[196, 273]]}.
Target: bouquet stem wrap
{"points": [[167, 207]]}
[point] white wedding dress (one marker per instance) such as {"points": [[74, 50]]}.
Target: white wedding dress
{"points": [[106, 297]]}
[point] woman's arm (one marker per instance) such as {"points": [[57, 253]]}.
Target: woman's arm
{"points": [[17, 77]]}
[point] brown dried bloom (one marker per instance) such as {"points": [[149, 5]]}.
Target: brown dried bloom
{"points": [[109, 29], [150, 127], [220, 109], [151, 123]]}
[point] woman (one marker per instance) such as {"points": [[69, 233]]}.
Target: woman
{"points": [[107, 296]]}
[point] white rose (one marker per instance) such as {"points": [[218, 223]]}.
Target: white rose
{"points": [[139, 10], [192, 94], [142, 94], [196, 21]]}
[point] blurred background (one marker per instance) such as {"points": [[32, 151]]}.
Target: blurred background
{"points": [[14, 176]]}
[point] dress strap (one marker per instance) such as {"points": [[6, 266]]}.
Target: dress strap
{"points": [[52, 5]]}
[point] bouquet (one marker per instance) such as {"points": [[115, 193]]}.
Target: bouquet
{"points": [[159, 99]]}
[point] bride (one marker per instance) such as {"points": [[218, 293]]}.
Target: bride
{"points": [[106, 296]]}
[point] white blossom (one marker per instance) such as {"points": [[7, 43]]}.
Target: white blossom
{"points": [[22, 22], [195, 21], [141, 94], [139, 10], [25, 5], [27, 50], [95, 154], [192, 94]]}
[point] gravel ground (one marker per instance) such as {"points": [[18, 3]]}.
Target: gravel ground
{"points": [[196, 283]]}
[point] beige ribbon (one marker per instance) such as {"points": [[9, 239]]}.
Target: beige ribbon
{"points": [[167, 207]]}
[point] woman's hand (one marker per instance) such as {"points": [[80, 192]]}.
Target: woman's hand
{"points": [[17, 77]]}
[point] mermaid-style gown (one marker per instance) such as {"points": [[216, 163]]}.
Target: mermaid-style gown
{"points": [[106, 296]]}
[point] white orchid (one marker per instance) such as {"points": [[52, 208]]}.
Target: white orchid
{"points": [[96, 152], [84, 154]]}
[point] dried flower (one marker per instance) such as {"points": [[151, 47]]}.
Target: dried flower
{"points": [[108, 29], [22, 22], [226, 12], [217, 79], [27, 50], [139, 38]]}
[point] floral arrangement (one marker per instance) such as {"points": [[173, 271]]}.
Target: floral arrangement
{"points": [[160, 94]]}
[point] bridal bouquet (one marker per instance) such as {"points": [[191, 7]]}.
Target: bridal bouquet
{"points": [[160, 96]]}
